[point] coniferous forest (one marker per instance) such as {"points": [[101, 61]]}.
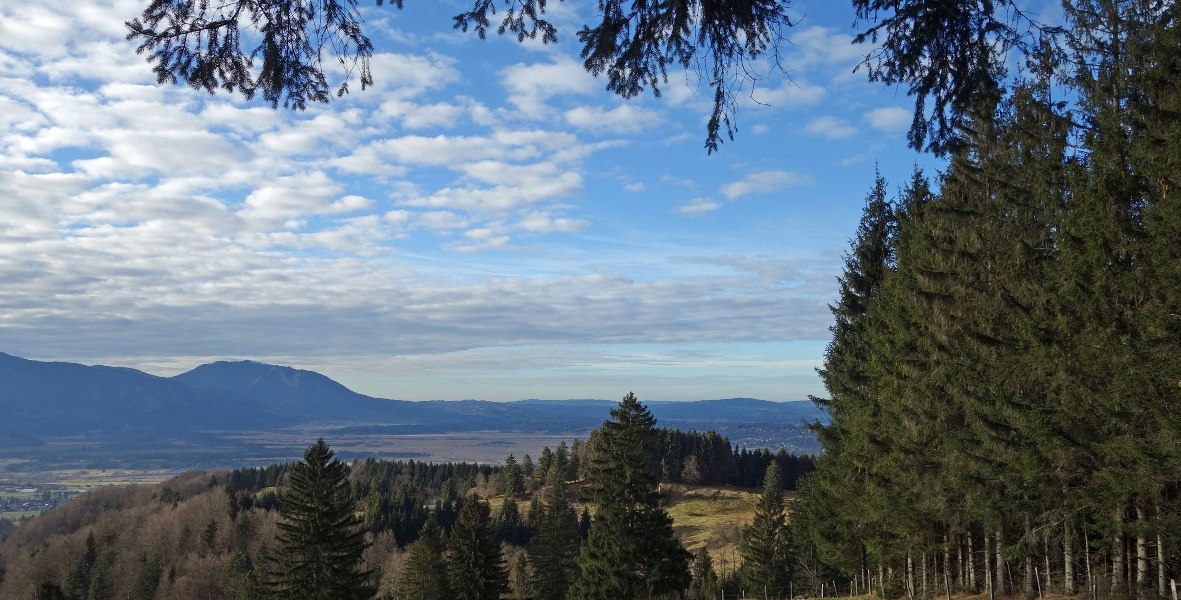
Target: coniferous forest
{"points": [[1004, 373]]}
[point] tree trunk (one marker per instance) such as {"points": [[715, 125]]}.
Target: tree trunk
{"points": [[909, 576], [1141, 552], [1067, 559], [988, 561], [998, 542], [961, 578], [1046, 558], [971, 565], [1117, 552], [946, 561], [1160, 565], [925, 576], [1091, 585], [1027, 583]]}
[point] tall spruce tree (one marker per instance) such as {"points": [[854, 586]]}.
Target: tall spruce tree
{"points": [[320, 539], [425, 575], [475, 567], [554, 549], [767, 560], [631, 551]]}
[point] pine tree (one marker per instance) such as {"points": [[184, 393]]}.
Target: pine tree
{"points": [[320, 539], [705, 584], [631, 551], [512, 480], [424, 577], [554, 549], [475, 567], [767, 561]]}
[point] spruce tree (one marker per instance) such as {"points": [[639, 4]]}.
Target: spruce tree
{"points": [[475, 567], [631, 551], [425, 575], [767, 561], [320, 539], [705, 584], [554, 549]]}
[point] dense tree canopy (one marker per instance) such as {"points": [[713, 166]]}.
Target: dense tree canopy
{"points": [[1004, 399]]}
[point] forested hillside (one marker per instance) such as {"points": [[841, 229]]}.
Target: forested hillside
{"points": [[228, 534], [1003, 379]]}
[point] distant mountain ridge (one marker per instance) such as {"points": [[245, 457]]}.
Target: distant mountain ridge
{"points": [[46, 399]]}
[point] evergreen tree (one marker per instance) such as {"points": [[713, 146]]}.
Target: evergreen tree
{"points": [[512, 480], [101, 578], [147, 578], [475, 567], [544, 461], [49, 590], [519, 578], [705, 584], [767, 561], [424, 577], [554, 548], [320, 539], [509, 528], [631, 551]]}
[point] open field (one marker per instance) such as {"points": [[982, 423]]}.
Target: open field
{"points": [[712, 517]]}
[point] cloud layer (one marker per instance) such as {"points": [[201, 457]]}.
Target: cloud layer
{"points": [[482, 198]]}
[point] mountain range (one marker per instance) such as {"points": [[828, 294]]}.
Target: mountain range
{"points": [[43, 400]]}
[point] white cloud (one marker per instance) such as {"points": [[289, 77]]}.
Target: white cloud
{"points": [[891, 119], [624, 118], [283, 199], [483, 239], [823, 47], [539, 222], [530, 86], [698, 206], [763, 182], [831, 128], [635, 186]]}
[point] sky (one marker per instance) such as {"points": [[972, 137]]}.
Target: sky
{"points": [[486, 222]]}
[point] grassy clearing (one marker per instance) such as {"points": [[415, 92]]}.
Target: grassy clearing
{"points": [[711, 517]]}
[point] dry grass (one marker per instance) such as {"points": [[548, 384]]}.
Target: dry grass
{"points": [[711, 517]]}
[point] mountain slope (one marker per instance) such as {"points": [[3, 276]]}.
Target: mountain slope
{"points": [[296, 392], [57, 398]]}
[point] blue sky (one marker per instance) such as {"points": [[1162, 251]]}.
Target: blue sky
{"points": [[487, 222]]}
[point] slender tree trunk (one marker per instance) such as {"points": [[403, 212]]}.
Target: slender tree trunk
{"points": [[1141, 552], [1117, 552], [1160, 565], [925, 576], [1087, 557], [987, 560], [909, 576], [1046, 558], [971, 565], [1067, 559], [961, 574], [1027, 584], [998, 542], [946, 561]]}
